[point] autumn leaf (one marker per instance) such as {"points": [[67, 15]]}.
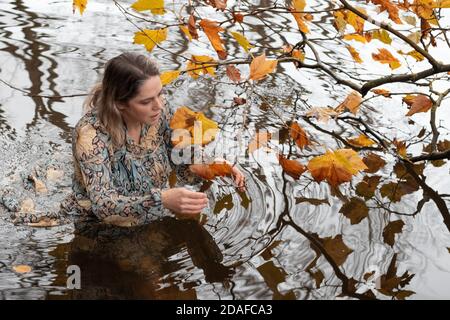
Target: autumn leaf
{"points": [[155, 6], [169, 76], [260, 140], [22, 268], [336, 167], [150, 38], [366, 188], [185, 30], [202, 129], [361, 141], [390, 7], [201, 64], [373, 162], [242, 40], [211, 171], [298, 135], [191, 27], [382, 92], [391, 230], [355, 209], [355, 54], [292, 167], [384, 56], [260, 67], [336, 248], [299, 5], [419, 103], [80, 5], [401, 147], [237, 17], [322, 114], [233, 73], [212, 29], [351, 103], [218, 4], [354, 20], [381, 35], [356, 37]]}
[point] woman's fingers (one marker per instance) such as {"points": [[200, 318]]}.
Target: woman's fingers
{"points": [[192, 209], [195, 195]]}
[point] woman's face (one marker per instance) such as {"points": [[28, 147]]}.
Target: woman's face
{"points": [[147, 105]]}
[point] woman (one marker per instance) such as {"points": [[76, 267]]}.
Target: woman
{"points": [[122, 147]]}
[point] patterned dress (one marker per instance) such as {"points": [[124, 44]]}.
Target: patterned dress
{"points": [[122, 186]]}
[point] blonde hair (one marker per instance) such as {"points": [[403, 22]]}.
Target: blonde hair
{"points": [[121, 81]]}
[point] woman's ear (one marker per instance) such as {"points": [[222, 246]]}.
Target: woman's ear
{"points": [[121, 106]]}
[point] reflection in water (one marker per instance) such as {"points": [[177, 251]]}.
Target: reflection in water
{"points": [[127, 263]]}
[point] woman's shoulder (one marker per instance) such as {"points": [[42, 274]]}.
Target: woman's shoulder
{"points": [[90, 122]]}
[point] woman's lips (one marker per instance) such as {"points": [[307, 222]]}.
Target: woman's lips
{"points": [[155, 116]]}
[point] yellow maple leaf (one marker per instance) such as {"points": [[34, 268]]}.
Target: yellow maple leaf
{"points": [[155, 6], [185, 30], [242, 41], [150, 38], [80, 5], [355, 54], [336, 167], [169, 76], [201, 64], [384, 56], [361, 141], [201, 129], [260, 67]]}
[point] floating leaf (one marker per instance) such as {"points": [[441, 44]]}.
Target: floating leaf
{"points": [[169, 76], [355, 209], [202, 129], [381, 35], [225, 202], [292, 167], [233, 73], [384, 56], [211, 171], [298, 135], [373, 162], [419, 103], [382, 92], [336, 248], [212, 29], [391, 230], [201, 64], [260, 67], [260, 140], [155, 6], [361, 141], [192, 28], [80, 5], [322, 114], [22, 268], [390, 7], [351, 103], [313, 201], [355, 54], [185, 30], [150, 38], [242, 40], [366, 188], [356, 37], [336, 167], [299, 5]]}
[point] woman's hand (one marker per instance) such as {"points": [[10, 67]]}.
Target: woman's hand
{"points": [[238, 176], [184, 201]]}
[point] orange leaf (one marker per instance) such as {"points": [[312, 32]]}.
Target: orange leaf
{"points": [[212, 29], [80, 5], [322, 114], [351, 103], [192, 28], [401, 147], [299, 5], [22, 268], [260, 140], [391, 8], [384, 56], [355, 54], [361, 141], [260, 67], [299, 135], [336, 167], [291, 167], [382, 92], [210, 171], [419, 103], [233, 73], [201, 64]]}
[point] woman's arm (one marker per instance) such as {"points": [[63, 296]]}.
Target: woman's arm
{"points": [[91, 153]]}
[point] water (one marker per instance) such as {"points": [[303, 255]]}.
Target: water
{"points": [[257, 245]]}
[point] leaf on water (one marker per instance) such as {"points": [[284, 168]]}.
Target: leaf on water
{"points": [[245, 201], [313, 201], [355, 54], [192, 28], [218, 4], [260, 140], [267, 253], [322, 114], [336, 248], [260, 67], [169, 76], [373, 162], [366, 188], [391, 229], [185, 30], [356, 37], [22, 268], [155, 6], [291, 167], [356, 210], [381, 35], [336, 167], [384, 56], [382, 92], [351, 103], [201, 65], [80, 5], [419, 103], [298, 135], [361, 141], [212, 29], [390, 7], [201, 129], [211, 171], [242, 40], [226, 202], [401, 148], [233, 73], [318, 277], [273, 276], [150, 38], [299, 5]]}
